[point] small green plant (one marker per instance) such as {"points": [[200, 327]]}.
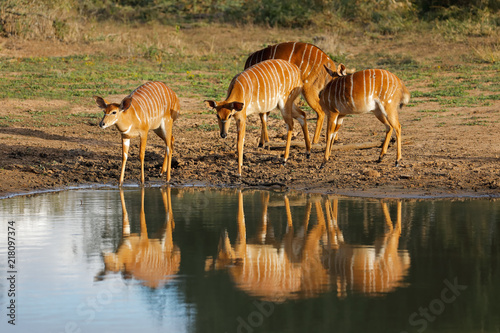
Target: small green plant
{"points": [[475, 121], [208, 127]]}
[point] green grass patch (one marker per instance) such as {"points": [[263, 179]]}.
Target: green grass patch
{"points": [[208, 127], [476, 121], [78, 78], [432, 111]]}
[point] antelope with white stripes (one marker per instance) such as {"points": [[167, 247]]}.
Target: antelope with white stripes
{"points": [[152, 106], [310, 61], [259, 89], [371, 90]]}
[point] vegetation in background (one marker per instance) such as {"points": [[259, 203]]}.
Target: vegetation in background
{"points": [[62, 19], [206, 71]]}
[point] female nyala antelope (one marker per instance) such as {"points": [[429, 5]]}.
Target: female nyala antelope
{"points": [[152, 106], [310, 61], [371, 90], [259, 89]]}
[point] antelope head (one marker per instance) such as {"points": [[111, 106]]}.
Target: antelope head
{"points": [[341, 71], [112, 112], [224, 113]]}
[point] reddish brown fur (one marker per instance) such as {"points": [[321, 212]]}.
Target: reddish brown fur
{"points": [[152, 106], [259, 89], [371, 90], [311, 61]]}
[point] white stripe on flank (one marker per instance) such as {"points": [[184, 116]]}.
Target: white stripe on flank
{"points": [[302, 60], [291, 53], [135, 113], [308, 63], [343, 93], [261, 78], [314, 63], [381, 88], [275, 48], [352, 87], [275, 84], [364, 86], [370, 90]]}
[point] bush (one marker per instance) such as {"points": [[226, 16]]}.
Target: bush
{"points": [[61, 19], [39, 19]]}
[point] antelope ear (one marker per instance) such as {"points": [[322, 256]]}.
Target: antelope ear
{"points": [[341, 70], [125, 104], [330, 72], [100, 102], [210, 104], [238, 106]]}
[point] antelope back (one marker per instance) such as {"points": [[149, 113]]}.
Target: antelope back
{"points": [[154, 265], [266, 272], [307, 57], [356, 93], [264, 85], [153, 101]]}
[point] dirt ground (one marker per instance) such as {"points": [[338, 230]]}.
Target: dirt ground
{"points": [[441, 157]]}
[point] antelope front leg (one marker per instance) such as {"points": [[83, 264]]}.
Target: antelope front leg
{"points": [[125, 147], [142, 154], [241, 126]]}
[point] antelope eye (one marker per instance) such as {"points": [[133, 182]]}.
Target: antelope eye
{"points": [[114, 112], [218, 116], [229, 116]]}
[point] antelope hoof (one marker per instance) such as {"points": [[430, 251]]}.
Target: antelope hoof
{"points": [[398, 164], [283, 162], [260, 145], [308, 155], [322, 165], [380, 159]]}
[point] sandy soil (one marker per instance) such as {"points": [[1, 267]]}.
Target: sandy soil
{"points": [[441, 157]]}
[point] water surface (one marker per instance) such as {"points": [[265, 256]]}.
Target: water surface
{"points": [[198, 260]]}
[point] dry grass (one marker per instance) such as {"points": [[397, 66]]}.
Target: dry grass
{"points": [[488, 53], [40, 20]]}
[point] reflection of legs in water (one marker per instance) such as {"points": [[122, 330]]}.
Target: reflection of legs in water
{"points": [[379, 268]]}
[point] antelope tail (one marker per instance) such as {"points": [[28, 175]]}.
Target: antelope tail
{"points": [[406, 97]]}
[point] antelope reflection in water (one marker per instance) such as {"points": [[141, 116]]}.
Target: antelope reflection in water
{"points": [[153, 261], [288, 269], [312, 260], [371, 270]]}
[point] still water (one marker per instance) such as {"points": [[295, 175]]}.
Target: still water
{"points": [[206, 260]]}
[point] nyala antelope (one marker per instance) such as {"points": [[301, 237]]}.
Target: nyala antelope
{"points": [[268, 85], [310, 61], [152, 106], [371, 90]]}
